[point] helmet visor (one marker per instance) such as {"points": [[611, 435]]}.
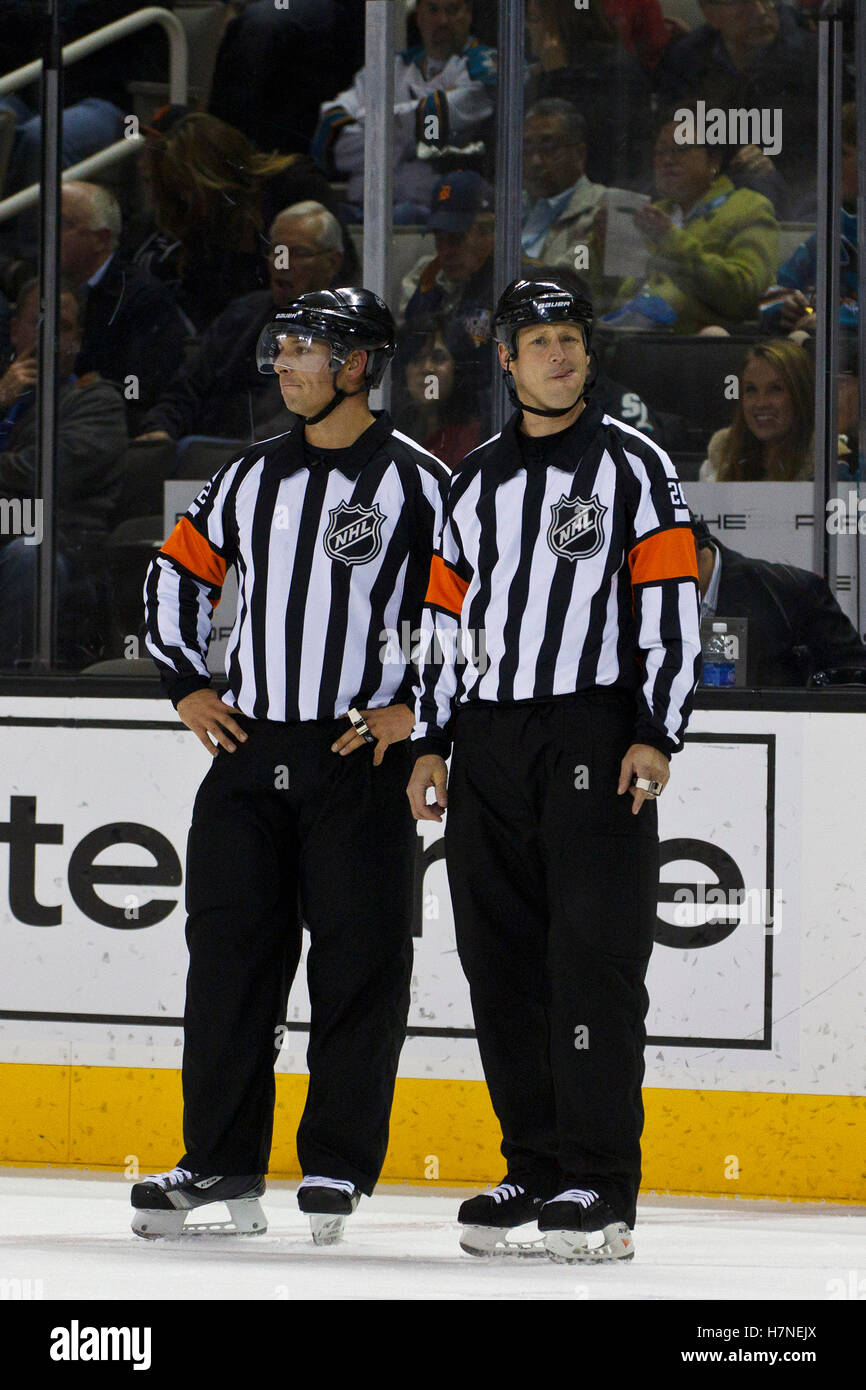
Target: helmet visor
{"points": [[289, 348]]}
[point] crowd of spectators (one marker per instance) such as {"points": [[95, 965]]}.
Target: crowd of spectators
{"points": [[252, 194]]}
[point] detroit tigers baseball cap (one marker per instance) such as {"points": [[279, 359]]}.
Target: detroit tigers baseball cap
{"points": [[457, 200]]}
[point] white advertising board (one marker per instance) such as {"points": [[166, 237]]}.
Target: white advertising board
{"points": [[93, 827]]}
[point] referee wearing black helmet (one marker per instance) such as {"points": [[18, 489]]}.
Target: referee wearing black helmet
{"points": [[302, 815], [566, 581]]}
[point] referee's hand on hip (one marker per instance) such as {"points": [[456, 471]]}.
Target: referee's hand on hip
{"points": [[429, 771], [388, 724], [210, 720]]}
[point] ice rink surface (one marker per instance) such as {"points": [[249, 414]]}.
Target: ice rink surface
{"points": [[67, 1237]]}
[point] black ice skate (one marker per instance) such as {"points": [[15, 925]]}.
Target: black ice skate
{"points": [[580, 1228], [327, 1202], [164, 1201], [487, 1221]]}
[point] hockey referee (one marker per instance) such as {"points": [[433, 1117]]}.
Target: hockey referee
{"points": [[302, 815], [567, 560]]}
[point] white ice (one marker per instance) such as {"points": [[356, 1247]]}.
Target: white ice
{"points": [[68, 1237]]}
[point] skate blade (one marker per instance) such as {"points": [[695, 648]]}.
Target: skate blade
{"points": [[613, 1243], [246, 1219], [491, 1242], [327, 1229]]}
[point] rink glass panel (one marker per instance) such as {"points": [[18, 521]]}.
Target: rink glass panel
{"points": [[679, 389]]}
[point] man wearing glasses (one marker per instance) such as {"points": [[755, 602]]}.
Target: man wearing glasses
{"points": [[561, 202]]}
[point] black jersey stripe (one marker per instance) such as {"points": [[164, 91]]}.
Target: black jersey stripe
{"points": [[530, 519], [263, 512], [488, 555], [234, 670], [309, 530]]}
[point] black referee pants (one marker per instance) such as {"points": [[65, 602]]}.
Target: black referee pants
{"points": [[283, 827], [554, 886]]}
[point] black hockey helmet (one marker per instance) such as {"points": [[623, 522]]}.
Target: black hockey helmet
{"points": [[553, 298], [550, 299], [346, 319]]}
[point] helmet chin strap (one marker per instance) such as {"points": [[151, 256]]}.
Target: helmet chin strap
{"points": [[339, 396]]}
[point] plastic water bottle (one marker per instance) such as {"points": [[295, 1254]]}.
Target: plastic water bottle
{"points": [[719, 664]]}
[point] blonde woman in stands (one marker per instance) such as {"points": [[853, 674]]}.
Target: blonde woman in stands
{"points": [[771, 437], [213, 196]]}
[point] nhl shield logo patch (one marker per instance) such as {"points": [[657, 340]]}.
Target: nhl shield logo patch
{"points": [[575, 529], [354, 534]]}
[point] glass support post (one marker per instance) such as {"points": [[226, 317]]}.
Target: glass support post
{"points": [[829, 231], [509, 169], [49, 328], [379, 159]]}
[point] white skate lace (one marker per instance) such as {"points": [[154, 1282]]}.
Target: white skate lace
{"points": [[584, 1196], [504, 1191], [175, 1178], [338, 1183]]}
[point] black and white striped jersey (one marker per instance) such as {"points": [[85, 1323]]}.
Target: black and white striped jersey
{"points": [[332, 550], [565, 563]]}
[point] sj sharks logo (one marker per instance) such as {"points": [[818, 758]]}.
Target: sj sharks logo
{"points": [[354, 535], [576, 530]]}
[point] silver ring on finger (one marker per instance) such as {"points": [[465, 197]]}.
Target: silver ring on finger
{"points": [[646, 784], [361, 726]]}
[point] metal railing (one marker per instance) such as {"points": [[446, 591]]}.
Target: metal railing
{"points": [[81, 48]]}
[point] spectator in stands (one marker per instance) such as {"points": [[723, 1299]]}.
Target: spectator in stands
{"points": [[132, 333], [710, 245], [89, 126], [220, 391], [753, 55], [91, 438], [306, 51], [796, 627], [790, 303], [643, 29], [457, 282], [561, 202], [771, 437], [577, 58], [458, 279], [437, 387], [214, 196], [444, 93]]}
